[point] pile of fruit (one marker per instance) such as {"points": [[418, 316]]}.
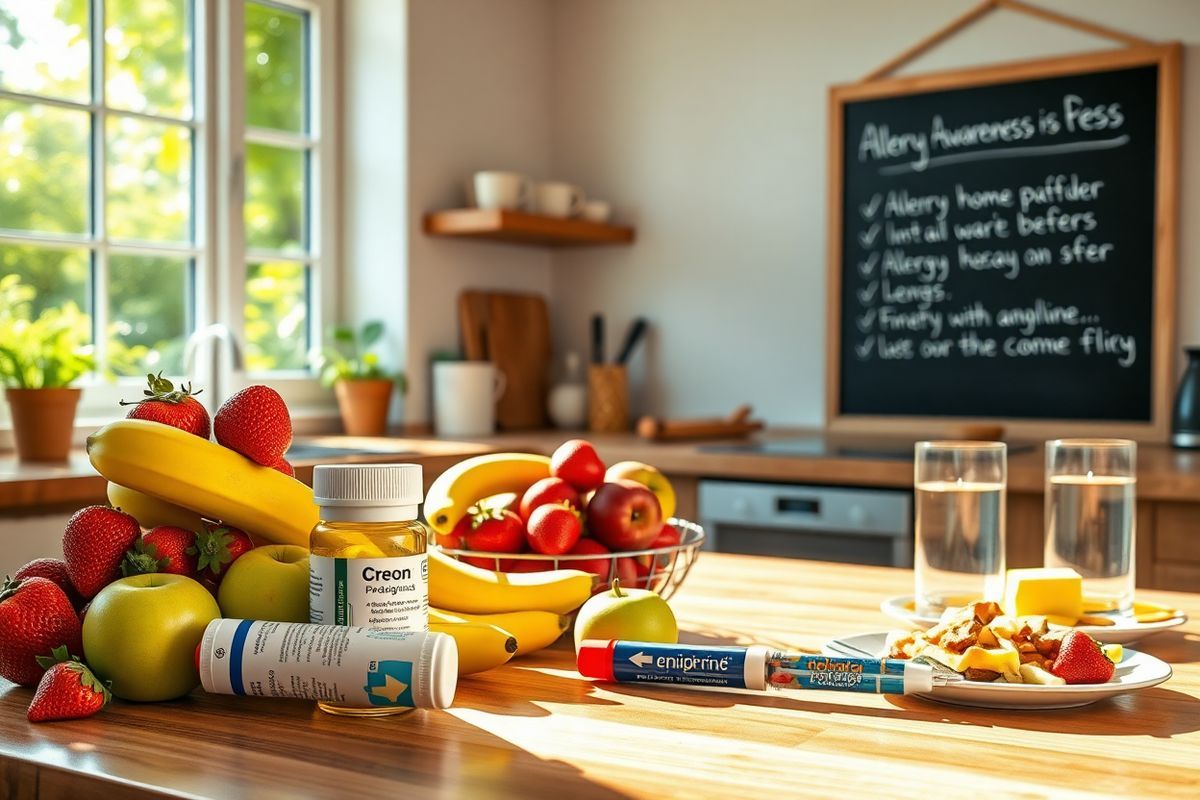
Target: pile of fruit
{"points": [[123, 609], [198, 529], [566, 505]]}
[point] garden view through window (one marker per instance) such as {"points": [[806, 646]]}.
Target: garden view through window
{"points": [[105, 142]]}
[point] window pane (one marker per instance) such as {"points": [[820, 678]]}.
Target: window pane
{"points": [[44, 48], [146, 56], [275, 197], [149, 178], [275, 75], [276, 316], [148, 314], [58, 276], [44, 173]]}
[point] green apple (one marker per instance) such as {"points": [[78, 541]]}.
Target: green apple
{"points": [[636, 615], [141, 633], [649, 477], [267, 583]]}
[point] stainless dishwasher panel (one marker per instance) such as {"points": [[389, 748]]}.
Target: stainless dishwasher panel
{"points": [[863, 526]]}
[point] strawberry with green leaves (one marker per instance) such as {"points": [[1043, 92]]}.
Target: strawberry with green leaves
{"points": [[94, 545], [216, 547], [35, 617], [166, 548], [67, 690], [178, 408]]}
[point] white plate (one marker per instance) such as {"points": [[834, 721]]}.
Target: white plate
{"points": [[1125, 631], [1136, 671]]}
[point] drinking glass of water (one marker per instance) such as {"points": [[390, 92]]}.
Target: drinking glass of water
{"points": [[960, 492], [1090, 496]]}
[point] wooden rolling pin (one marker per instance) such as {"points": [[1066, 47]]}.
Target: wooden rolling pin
{"points": [[662, 430]]}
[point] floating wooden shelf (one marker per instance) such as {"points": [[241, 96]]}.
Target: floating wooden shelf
{"points": [[518, 227]]}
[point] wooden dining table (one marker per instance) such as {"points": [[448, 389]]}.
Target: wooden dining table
{"points": [[535, 728]]}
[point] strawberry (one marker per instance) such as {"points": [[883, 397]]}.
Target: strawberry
{"points": [[35, 617], [94, 545], [553, 529], [163, 549], [68, 690], [178, 408], [216, 547], [283, 466], [494, 530], [255, 423], [52, 569], [1080, 660]]}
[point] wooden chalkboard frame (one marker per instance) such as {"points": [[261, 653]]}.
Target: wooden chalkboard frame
{"points": [[1167, 57]]}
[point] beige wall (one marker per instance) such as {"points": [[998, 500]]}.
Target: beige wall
{"points": [[22, 539], [704, 122], [479, 98]]}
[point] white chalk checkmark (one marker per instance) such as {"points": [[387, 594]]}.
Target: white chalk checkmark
{"points": [[864, 349], [867, 238], [868, 294], [865, 268], [868, 209], [866, 321]]}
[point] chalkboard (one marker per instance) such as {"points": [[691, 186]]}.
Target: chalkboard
{"points": [[996, 252]]}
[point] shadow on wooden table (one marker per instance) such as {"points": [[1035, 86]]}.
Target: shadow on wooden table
{"points": [[1156, 712], [216, 746]]}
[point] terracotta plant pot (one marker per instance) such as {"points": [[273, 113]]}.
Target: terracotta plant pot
{"points": [[43, 422], [364, 405]]}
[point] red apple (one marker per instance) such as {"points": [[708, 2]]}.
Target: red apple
{"points": [[576, 462], [525, 565], [624, 515], [642, 579], [548, 491]]}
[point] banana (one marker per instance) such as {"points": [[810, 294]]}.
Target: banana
{"points": [[534, 629], [150, 512], [462, 587], [472, 479], [480, 647], [180, 468]]}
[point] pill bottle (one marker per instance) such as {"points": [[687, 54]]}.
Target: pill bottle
{"points": [[349, 670], [368, 566]]}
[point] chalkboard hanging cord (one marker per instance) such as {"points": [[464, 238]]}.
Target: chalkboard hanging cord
{"points": [[984, 8]]}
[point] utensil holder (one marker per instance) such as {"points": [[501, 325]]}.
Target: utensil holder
{"points": [[608, 399]]}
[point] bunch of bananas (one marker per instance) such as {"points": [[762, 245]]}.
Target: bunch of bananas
{"points": [[165, 476]]}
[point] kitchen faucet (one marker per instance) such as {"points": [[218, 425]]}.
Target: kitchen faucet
{"points": [[221, 335]]}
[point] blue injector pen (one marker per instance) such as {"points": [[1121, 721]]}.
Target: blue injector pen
{"points": [[754, 667]]}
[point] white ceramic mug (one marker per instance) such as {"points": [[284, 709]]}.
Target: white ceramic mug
{"points": [[596, 211], [558, 199], [509, 191], [464, 397]]}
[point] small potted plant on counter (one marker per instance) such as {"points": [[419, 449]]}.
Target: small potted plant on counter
{"points": [[362, 386], [39, 360]]}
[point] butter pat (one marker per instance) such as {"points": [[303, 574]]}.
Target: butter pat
{"points": [[1044, 591]]}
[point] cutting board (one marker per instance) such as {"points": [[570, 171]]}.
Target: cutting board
{"points": [[512, 330]]}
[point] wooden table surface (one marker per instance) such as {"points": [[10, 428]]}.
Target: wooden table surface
{"points": [[534, 728]]}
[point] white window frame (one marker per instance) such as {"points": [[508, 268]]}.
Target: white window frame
{"points": [[217, 251], [306, 398]]}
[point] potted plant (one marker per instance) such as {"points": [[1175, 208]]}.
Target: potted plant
{"points": [[362, 386], [39, 360]]}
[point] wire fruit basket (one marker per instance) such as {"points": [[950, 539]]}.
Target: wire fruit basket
{"points": [[661, 569]]}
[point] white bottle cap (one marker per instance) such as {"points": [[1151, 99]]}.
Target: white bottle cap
{"points": [[438, 671], [367, 492]]}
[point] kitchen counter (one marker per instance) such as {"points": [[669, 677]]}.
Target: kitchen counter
{"points": [[1168, 481], [1163, 473], [534, 728]]}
